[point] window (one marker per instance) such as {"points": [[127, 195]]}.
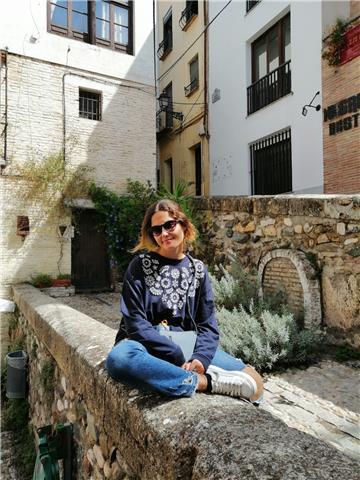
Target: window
{"points": [[194, 76], [271, 74], [251, 4], [103, 22], [190, 11], [168, 175], [198, 173], [89, 104], [165, 46], [271, 171]]}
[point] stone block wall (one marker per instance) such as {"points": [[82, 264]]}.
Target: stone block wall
{"points": [[322, 231], [122, 433]]}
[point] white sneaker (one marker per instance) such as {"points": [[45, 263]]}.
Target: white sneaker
{"points": [[233, 383]]}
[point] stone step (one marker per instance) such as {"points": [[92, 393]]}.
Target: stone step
{"points": [[311, 414]]}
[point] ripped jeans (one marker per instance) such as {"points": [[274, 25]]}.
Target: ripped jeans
{"points": [[130, 363]]}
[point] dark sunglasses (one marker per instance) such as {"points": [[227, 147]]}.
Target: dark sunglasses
{"points": [[168, 226]]}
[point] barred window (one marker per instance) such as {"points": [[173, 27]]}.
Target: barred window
{"points": [[89, 104], [271, 171]]}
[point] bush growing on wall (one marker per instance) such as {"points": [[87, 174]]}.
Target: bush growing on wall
{"points": [[260, 331]]}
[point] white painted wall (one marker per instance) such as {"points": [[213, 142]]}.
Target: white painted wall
{"points": [[231, 131], [20, 20]]}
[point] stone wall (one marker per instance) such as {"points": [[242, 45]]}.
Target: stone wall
{"points": [[315, 236], [121, 433]]}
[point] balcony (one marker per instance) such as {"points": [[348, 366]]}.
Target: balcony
{"points": [[188, 14], [251, 4], [191, 87], [165, 47], [273, 86]]}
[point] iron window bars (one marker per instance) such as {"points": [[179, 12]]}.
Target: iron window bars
{"points": [[271, 166], [189, 12], [89, 105]]}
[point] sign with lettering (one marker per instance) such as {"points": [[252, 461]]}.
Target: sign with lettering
{"points": [[348, 105], [352, 45]]}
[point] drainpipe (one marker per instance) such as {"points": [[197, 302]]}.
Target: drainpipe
{"points": [[4, 60], [206, 61]]}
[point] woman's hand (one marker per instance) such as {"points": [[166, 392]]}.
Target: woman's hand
{"points": [[194, 366]]}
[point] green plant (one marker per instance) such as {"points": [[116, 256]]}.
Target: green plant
{"points": [[267, 339], [120, 216], [345, 352], [16, 419], [64, 276], [41, 280], [47, 376], [334, 43]]}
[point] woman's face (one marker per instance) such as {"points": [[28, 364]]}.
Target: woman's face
{"points": [[171, 242]]}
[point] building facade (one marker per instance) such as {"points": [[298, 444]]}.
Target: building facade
{"points": [[182, 129], [341, 99], [76, 79], [264, 69]]}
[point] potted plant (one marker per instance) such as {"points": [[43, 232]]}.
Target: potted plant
{"points": [[41, 280], [62, 280]]}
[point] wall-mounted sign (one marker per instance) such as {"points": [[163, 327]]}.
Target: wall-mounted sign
{"points": [[352, 45], [348, 105]]}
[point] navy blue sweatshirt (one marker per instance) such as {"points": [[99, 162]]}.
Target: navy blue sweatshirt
{"points": [[157, 288]]}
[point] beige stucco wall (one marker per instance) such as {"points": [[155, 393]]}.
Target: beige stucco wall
{"points": [[178, 143]]}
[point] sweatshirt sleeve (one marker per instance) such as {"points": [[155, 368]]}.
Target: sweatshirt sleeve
{"points": [[208, 333], [135, 319]]}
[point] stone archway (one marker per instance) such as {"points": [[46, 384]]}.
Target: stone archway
{"points": [[307, 278]]}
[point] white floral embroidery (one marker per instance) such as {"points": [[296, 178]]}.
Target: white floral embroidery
{"points": [[170, 283]]}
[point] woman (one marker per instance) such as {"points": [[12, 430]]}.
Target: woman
{"points": [[166, 286]]}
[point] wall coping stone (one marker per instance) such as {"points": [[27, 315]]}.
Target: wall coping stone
{"points": [[206, 437]]}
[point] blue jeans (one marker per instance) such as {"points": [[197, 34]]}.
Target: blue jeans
{"points": [[130, 363]]}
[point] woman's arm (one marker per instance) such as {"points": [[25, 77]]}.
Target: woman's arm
{"points": [[135, 319], [208, 333]]}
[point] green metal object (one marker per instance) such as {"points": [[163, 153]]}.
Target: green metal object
{"points": [[55, 444]]}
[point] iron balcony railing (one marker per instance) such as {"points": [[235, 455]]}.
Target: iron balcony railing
{"points": [[188, 13], [250, 4], [192, 86], [165, 46], [273, 86]]}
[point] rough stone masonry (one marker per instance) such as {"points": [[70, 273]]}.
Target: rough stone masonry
{"points": [[123, 433]]}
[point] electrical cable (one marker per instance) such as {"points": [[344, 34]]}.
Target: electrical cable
{"points": [[193, 43]]}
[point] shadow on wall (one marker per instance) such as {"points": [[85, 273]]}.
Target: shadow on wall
{"points": [[119, 145]]}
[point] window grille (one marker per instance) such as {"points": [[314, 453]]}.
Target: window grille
{"points": [[271, 171], [89, 105]]}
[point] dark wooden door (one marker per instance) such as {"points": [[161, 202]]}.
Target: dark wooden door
{"points": [[89, 256]]}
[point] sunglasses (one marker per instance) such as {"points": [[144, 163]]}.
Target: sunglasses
{"points": [[168, 226]]}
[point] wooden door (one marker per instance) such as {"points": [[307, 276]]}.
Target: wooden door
{"points": [[89, 255]]}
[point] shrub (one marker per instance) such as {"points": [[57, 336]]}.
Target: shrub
{"points": [[41, 280], [265, 340]]}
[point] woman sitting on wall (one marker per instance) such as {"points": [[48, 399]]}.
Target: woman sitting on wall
{"points": [[166, 290]]}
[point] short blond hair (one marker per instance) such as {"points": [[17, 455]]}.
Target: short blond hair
{"points": [[147, 241]]}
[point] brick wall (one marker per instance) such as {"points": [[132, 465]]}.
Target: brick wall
{"points": [[341, 150], [280, 275], [120, 146]]}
